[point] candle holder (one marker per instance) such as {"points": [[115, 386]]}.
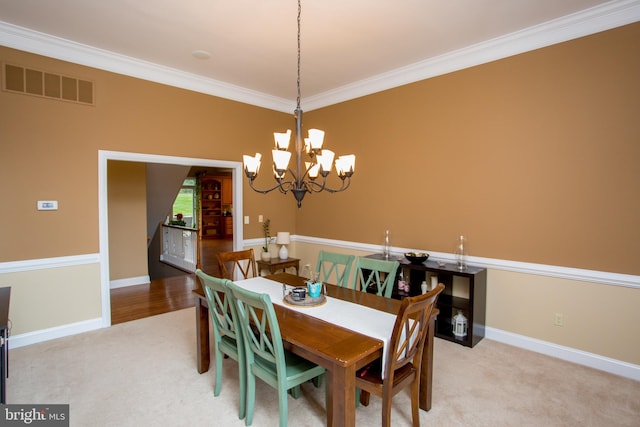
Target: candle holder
{"points": [[461, 252], [387, 245]]}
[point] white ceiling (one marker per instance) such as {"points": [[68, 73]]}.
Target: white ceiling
{"points": [[349, 47]]}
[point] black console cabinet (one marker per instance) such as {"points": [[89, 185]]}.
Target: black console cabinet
{"points": [[464, 290]]}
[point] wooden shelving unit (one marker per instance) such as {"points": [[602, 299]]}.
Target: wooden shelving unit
{"points": [[211, 224], [464, 290]]}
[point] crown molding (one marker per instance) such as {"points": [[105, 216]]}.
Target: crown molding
{"points": [[590, 21], [39, 43]]}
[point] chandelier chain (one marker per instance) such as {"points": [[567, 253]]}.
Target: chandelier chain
{"points": [[298, 81]]}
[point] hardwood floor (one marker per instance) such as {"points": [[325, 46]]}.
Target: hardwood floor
{"points": [[166, 294]]}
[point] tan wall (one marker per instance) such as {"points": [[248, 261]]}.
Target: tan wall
{"points": [[526, 304], [534, 158], [53, 297], [50, 150], [598, 318], [127, 200]]}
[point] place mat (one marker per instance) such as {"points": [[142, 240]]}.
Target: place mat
{"points": [[307, 302]]}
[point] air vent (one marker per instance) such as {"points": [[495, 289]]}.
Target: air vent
{"points": [[47, 85]]}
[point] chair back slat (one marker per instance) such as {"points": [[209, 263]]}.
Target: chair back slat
{"points": [[410, 331], [219, 305], [259, 325], [334, 268], [368, 273], [243, 262]]}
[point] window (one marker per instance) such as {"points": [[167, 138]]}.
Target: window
{"points": [[185, 203]]}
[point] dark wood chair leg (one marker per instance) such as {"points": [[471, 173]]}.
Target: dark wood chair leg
{"points": [[386, 411], [364, 397]]}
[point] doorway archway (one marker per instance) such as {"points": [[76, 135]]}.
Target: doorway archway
{"points": [[103, 217]]}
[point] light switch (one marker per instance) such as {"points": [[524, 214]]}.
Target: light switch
{"points": [[47, 205], [260, 219], [246, 219]]}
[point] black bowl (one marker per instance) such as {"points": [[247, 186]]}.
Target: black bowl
{"points": [[416, 257]]}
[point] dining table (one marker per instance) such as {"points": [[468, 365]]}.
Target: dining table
{"points": [[340, 350]]}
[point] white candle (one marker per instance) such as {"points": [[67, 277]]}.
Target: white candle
{"points": [[434, 282]]}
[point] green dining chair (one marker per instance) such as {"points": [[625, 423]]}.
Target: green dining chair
{"points": [[368, 274], [227, 338], [337, 264], [266, 357]]}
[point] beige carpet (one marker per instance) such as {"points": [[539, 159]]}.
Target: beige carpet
{"points": [[142, 373]]}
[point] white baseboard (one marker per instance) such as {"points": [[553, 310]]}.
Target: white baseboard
{"points": [[42, 335], [592, 360], [569, 354], [129, 281]]}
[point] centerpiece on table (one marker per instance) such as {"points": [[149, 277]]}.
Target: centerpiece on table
{"points": [[314, 285]]}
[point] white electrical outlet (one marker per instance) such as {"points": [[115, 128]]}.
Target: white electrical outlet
{"points": [[558, 319], [260, 218], [246, 219]]}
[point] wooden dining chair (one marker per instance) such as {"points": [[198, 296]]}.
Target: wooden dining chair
{"points": [[266, 357], [403, 359], [244, 261], [331, 263], [227, 338], [378, 274]]}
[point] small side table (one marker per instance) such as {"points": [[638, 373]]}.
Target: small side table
{"points": [[275, 264]]}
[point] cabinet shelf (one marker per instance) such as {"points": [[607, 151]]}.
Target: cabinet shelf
{"points": [[464, 291], [210, 207], [215, 198], [456, 303]]}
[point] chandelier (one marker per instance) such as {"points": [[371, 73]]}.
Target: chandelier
{"points": [[302, 181]]}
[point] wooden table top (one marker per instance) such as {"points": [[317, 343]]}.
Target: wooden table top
{"points": [[322, 342]]}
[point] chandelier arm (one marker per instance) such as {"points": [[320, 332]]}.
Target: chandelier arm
{"points": [[313, 161], [281, 185], [294, 176], [314, 187], [286, 186], [342, 187]]}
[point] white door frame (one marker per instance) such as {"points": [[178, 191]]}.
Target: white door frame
{"points": [[103, 208]]}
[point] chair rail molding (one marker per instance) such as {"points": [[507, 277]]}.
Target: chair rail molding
{"points": [[596, 361], [45, 263], [583, 275]]}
